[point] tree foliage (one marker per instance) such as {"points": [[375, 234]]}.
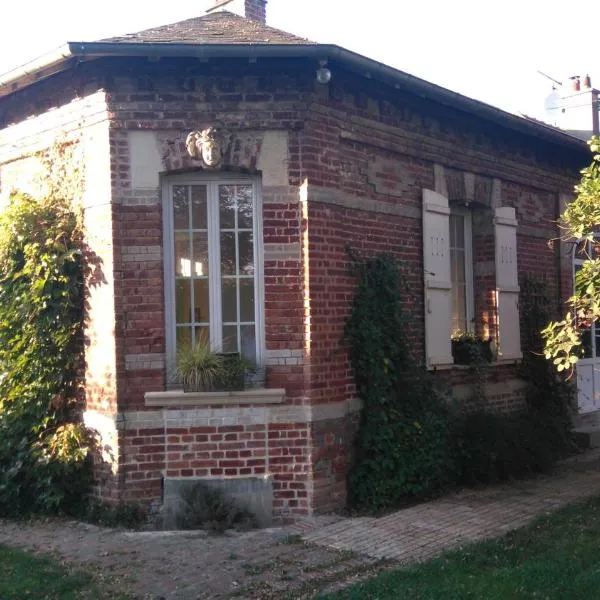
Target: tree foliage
{"points": [[43, 449], [580, 222]]}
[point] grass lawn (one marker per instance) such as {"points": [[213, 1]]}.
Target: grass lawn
{"points": [[26, 576], [555, 558]]}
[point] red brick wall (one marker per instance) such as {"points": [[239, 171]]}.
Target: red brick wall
{"points": [[332, 450], [279, 449], [357, 130]]}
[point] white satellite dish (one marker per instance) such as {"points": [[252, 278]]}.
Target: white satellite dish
{"points": [[553, 108]]}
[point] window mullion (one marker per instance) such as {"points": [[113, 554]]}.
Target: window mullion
{"points": [[258, 273], [236, 237], [214, 249], [192, 315], [470, 295], [169, 275]]}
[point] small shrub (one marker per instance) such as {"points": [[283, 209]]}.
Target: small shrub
{"points": [[234, 371], [494, 447], [132, 515], [207, 507]]}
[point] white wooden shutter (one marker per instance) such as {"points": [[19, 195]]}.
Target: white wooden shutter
{"points": [[438, 285], [507, 283]]}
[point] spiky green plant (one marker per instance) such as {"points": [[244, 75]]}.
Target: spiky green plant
{"points": [[198, 366]]}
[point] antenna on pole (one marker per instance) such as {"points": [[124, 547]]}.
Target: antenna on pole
{"points": [[550, 78]]}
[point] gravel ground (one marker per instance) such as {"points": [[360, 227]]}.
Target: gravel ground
{"points": [[263, 564]]}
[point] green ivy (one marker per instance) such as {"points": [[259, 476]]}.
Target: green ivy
{"points": [[404, 443], [44, 462]]}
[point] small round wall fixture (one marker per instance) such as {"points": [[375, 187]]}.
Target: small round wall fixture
{"points": [[323, 73]]}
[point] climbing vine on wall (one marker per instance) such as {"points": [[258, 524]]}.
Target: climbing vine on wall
{"points": [[403, 444], [43, 448]]}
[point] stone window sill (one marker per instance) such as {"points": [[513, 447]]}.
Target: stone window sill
{"points": [[495, 363], [181, 398]]}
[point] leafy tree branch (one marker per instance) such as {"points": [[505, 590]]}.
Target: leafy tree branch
{"points": [[580, 222]]}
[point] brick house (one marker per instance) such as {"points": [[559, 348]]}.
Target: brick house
{"points": [[228, 165]]}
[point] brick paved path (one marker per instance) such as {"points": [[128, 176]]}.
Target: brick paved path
{"points": [[422, 531]]}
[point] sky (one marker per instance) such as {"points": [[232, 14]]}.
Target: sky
{"points": [[490, 51]]}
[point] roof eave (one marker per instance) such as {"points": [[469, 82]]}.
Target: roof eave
{"points": [[35, 70], [62, 58]]}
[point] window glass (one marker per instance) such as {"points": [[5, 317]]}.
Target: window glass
{"points": [[199, 207], [458, 272], [214, 271], [201, 301], [181, 211]]}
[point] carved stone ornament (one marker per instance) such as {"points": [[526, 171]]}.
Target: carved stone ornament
{"points": [[209, 145]]}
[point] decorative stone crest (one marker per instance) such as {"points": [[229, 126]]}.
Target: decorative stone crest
{"points": [[209, 145]]}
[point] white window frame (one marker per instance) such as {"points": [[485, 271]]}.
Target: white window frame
{"points": [[468, 243], [212, 181]]}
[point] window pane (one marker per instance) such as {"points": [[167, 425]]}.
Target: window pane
{"points": [[248, 349], [182, 301], [228, 254], [181, 216], [460, 266], [453, 266], [183, 337], [200, 249], [227, 206], [201, 334], [183, 262], [244, 206], [201, 306], [452, 231], [229, 300], [199, 219], [246, 250], [455, 325], [457, 231], [247, 300], [230, 338]]}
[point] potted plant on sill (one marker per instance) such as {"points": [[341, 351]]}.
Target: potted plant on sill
{"points": [[233, 374], [469, 349], [199, 367]]}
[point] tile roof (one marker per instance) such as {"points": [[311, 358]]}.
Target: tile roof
{"points": [[216, 28]]}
